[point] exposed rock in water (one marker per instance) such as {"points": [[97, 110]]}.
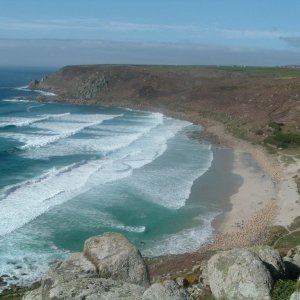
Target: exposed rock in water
{"points": [[239, 274]]}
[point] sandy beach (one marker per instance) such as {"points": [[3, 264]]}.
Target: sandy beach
{"points": [[268, 195]]}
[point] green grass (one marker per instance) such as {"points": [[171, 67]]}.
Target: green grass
{"points": [[12, 295], [288, 241], [283, 289], [275, 233], [262, 71], [276, 126], [222, 70], [295, 225], [259, 132]]}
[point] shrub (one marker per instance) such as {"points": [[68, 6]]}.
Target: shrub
{"points": [[283, 289], [276, 126], [259, 132], [297, 180], [284, 140]]}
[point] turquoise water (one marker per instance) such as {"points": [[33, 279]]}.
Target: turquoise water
{"points": [[69, 172]]}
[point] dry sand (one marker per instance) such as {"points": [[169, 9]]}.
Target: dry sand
{"points": [[268, 195]]}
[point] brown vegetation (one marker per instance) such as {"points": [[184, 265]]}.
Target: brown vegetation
{"points": [[246, 100]]}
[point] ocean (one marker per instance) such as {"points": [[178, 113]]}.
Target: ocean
{"points": [[69, 172]]}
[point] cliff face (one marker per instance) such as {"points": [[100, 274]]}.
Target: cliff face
{"points": [[246, 97]]}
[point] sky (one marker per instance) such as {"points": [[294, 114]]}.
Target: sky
{"points": [[206, 32]]}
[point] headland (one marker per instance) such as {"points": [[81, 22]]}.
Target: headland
{"points": [[254, 111]]}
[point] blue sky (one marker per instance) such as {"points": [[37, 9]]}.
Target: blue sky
{"points": [[58, 32]]}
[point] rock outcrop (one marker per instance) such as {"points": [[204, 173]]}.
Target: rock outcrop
{"points": [[87, 288], [110, 268], [272, 260], [115, 257], [239, 274]]}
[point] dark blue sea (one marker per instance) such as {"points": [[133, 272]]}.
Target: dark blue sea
{"points": [[68, 172]]}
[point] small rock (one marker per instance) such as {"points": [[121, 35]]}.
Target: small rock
{"points": [[181, 281], [196, 268], [295, 296], [200, 291], [168, 290]]}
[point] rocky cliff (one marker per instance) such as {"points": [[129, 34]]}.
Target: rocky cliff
{"points": [[110, 267]]}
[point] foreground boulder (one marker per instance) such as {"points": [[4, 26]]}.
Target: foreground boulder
{"points": [[239, 274], [88, 289], [110, 268], [115, 257]]}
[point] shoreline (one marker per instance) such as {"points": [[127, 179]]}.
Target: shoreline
{"points": [[254, 217], [214, 132], [280, 204], [267, 196]]}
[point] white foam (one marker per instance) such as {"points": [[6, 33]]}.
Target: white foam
{"points": [[24, 202], [104, 138], [26, 89], [21, 121], [187, 240], [23, 264], [22, 88], [29, 109], [136, 229], [45, 93], [21, 204], [54, 131], [192, 163], [18, 100]]}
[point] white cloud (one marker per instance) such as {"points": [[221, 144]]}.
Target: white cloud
{"points": [[127, 26], [115, 26], [42, 25]]}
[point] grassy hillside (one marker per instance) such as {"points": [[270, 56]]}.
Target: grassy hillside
{"points": [[246, 99]]}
